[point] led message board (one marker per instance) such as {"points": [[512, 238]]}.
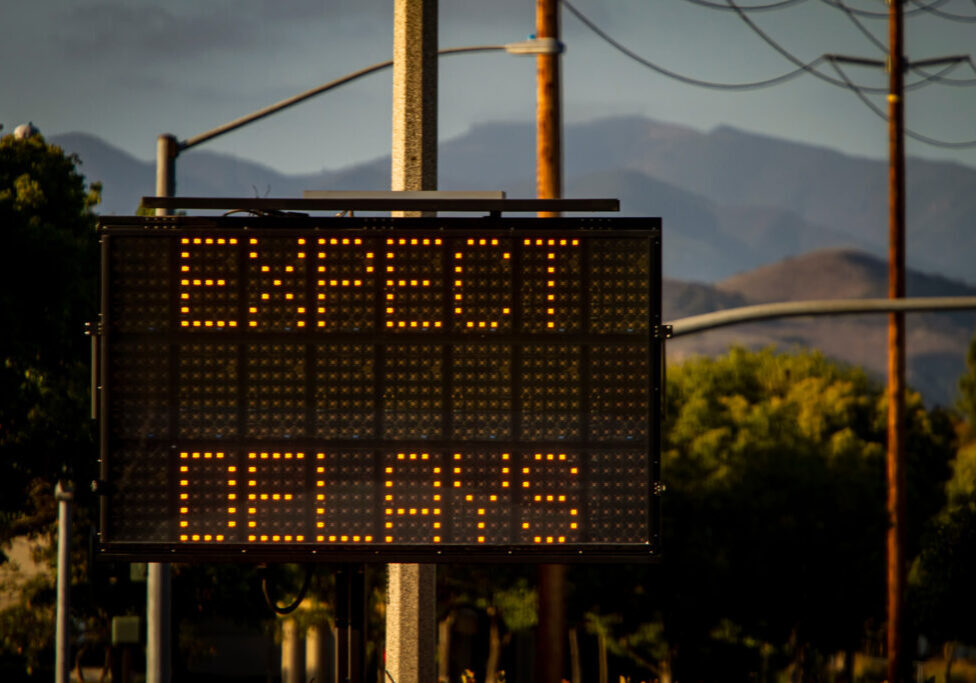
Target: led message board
{"points": [[394, 389]]}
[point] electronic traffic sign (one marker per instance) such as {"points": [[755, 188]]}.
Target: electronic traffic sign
{"points": [[398, 389]]}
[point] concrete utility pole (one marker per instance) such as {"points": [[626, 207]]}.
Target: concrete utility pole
{"points": [[414, 151], [159, 580], [896, 341], [551, 632], [411, 619]]}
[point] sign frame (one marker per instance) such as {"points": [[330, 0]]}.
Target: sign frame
{"points": [[590, 227]]}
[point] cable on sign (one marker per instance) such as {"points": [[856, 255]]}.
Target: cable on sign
{"points": [[263, 571], [910, 133]]}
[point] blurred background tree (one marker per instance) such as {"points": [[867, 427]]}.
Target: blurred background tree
{"points": [[774, 525], [48, 288], [943, 593]]}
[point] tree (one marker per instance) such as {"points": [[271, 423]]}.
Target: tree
{"points": [[48, 281], [774, 518], [942, 591], [967, 388]]}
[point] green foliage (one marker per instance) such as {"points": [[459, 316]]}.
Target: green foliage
{"points": [[518, 605], [967, 388], [774, 519], [942, 588], [48, 282], [962, 486]]}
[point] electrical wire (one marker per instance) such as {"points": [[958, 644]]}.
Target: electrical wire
{"points": [[954, 82], [908, 132], [845, 83], [884, 15], [852, 16], [752, 8], [755, 85], [942, 14], [927, 77]]}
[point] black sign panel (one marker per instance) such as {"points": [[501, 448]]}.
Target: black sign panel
{"points": [[373, 388]]}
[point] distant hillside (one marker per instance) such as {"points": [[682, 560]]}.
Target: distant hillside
{"points": [[937, 342], [731, 201], [747, 219]]}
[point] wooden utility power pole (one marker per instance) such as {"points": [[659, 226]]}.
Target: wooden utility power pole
{"points": [[551, 632], [549, 160], [411, 618], [896, 342]]}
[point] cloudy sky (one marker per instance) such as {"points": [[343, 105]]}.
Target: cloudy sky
{"points": [[128, 70]]}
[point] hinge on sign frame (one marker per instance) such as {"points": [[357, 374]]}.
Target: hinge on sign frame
{"points": [[662, 331], [94, 331]]}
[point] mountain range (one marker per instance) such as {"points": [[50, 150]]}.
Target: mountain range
{"points": [[747, 219]]}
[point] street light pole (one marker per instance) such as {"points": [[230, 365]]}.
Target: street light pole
{"points": [[159, 578], [64, 494]]}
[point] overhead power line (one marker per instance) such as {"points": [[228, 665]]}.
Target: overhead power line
{"points": [[968, 144], [844, 83], [754, 85], [884, 15], [751, 8], [880, 45], [935, 11]]}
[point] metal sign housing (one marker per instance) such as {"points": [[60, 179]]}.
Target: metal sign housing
{"points": [[409, 389]]}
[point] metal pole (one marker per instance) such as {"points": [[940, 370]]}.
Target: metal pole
{"points": [[896, 343], [167, 148], [793, 309], [158, 591], [64, 494], [159, 580], [411, 623], [551, 633]]}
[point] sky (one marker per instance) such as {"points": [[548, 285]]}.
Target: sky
{"points": [[129, 70]]}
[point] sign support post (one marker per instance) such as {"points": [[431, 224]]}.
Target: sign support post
{"points": [[411, 614], [159, 579]]}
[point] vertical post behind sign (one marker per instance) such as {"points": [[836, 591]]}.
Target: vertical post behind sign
{"points": [[411, 588], [158, 584], [552, 577]]}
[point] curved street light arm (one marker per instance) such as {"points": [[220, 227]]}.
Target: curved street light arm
{"points": [[793, 309], [301, 97]]}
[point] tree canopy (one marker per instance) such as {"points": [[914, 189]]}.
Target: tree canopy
{"points": [[774, 517], [48, 282]]}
